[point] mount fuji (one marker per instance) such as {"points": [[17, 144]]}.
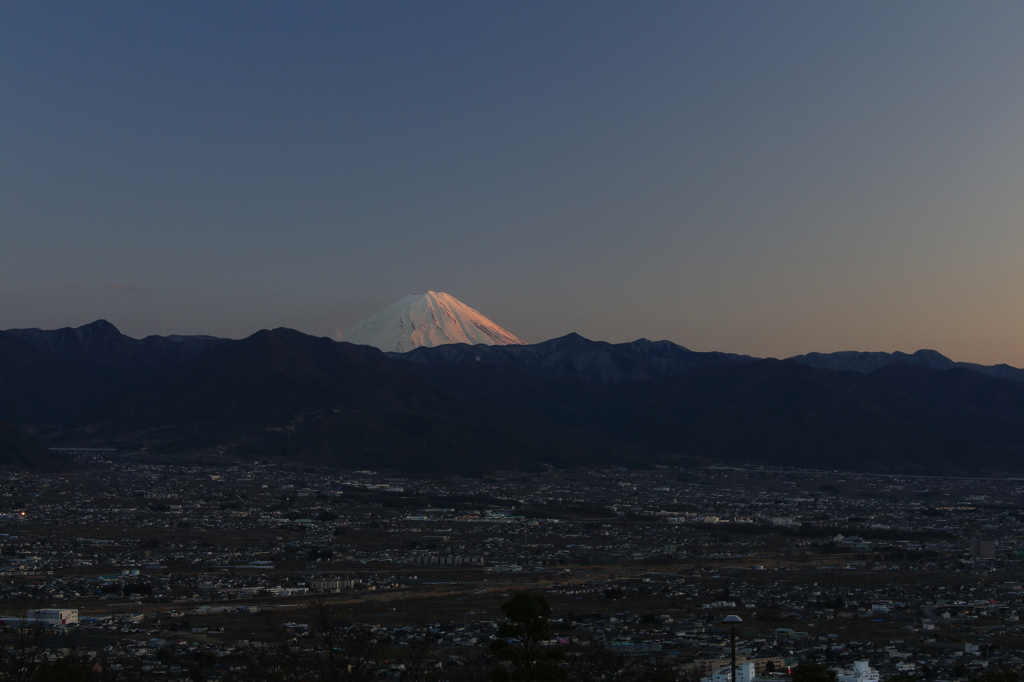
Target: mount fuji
{"points": [[427, 319]]}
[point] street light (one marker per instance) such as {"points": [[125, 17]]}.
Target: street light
{"points": [[732, 620]]}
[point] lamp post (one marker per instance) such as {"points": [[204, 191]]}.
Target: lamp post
{"points": [[732, 620]]}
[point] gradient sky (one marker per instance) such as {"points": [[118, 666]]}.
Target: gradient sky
{"points": [[769, 178]]}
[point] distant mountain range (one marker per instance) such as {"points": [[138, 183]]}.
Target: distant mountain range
{"points": [[474, 408], [573, 355], [865, 363]]}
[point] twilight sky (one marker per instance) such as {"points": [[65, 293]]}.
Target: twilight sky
{"points": [[764, 178]]}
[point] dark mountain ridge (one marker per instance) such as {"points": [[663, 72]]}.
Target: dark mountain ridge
{"points": [[100, 347], [599, 361], [867, 362], [20, 451], [567, 402], [348, 405], [574, 355], [783, 413], [68, 374], [35, 386], [778, 413]]}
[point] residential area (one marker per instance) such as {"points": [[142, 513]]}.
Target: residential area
{"points": [[180, 568]]}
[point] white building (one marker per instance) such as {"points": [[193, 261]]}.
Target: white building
{"points": [[861, 672], [744, 673], [54, 616], [43, 617]]}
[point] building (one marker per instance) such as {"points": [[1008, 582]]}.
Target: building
{"points": [[861, 672], [43, 617], [333, 584], [744, 673]]}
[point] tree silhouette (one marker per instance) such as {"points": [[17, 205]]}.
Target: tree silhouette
{"points": [[813, 672], [519, 642]]}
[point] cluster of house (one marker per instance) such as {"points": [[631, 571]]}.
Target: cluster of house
{"points": [[763, 670], [202, 537]]}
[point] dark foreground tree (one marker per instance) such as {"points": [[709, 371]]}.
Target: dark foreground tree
{"points": [[20, 646], [520, 644], [813, 672]]}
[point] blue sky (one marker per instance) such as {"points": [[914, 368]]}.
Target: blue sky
{"points": [[765, 178]]}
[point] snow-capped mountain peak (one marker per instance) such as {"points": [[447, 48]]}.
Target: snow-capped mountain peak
{"points": [[432, 318]]}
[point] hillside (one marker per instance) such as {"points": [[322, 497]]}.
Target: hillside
{"points": [[473, 408], [19, 451]]}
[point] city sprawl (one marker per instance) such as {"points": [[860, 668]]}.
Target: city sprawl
{"points": [[172, 568]]}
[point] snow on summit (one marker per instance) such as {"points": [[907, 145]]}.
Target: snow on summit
{"points": [[428, 319]]}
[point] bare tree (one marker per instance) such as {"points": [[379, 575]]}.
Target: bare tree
{"points": [[20, 646]]}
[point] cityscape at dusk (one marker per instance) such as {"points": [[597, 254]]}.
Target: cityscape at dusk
{"points": [[567, 341]]}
